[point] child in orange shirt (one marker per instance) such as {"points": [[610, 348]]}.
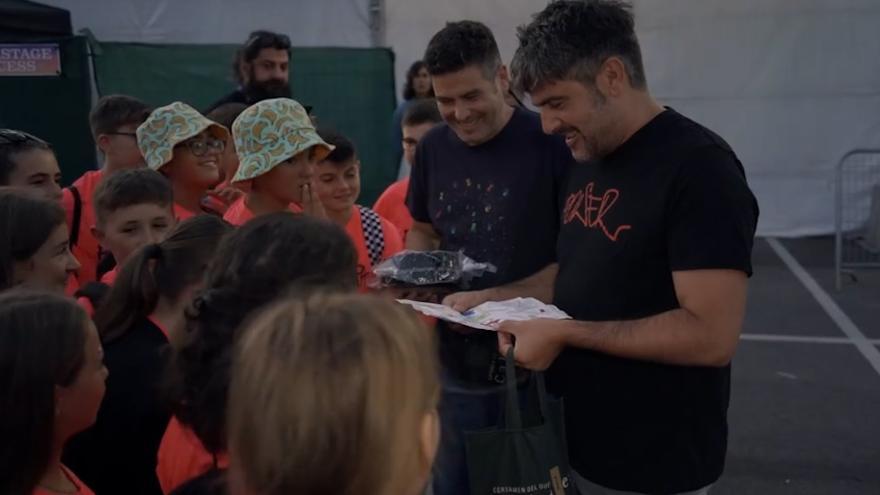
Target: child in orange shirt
{"points": [[420, 118], [113, 122], [133, 208], [185, 147], [34, 249], [277, 149], [264, 259], [338, 186], [52, 378]]}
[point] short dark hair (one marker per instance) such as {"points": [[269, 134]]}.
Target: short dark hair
{"points": [[26, 222], [257, 40], [114, 111], [409, 91], [344, 149], [570, 39], [226, 113], [463, 44], [42, 346], [269, 257], [13, 142], [422, 111], [131, 187]]}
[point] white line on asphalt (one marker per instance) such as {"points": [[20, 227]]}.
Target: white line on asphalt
{"points": [[846, 325], [805, 339]]}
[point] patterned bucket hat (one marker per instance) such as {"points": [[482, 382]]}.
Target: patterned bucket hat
{"points": [[169, 126], [270, 132]]}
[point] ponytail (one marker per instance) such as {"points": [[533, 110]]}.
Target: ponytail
{"points": [[162, 270], [134, 295]]}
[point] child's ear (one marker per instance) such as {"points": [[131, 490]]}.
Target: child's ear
{"points": [[103, 142]]}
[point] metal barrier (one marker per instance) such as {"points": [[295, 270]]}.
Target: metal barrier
{"points": [[857, 212]]}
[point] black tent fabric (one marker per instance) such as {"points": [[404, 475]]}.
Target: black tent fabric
{"points": [[21, 20]]}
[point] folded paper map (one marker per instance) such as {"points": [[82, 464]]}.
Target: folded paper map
{"points": [[489, 315]]}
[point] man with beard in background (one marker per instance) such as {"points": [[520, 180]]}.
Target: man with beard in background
{"points": [[261, 70]]}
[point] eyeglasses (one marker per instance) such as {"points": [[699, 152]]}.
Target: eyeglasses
{"points": [[199, 147]]}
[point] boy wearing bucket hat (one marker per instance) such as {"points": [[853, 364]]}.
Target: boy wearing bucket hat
{"points": [[277, 148], [186, 148]]}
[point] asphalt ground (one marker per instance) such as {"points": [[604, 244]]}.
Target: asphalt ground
{"points": [[805, 401]]}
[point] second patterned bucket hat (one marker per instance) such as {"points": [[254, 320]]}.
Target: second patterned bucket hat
{"points": [[270, 132]]}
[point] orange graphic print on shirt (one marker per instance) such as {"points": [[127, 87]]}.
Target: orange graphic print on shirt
{"points": [[590, 209]]}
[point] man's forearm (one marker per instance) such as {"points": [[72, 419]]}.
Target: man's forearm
{"points": [[538, 285], [675, 337]]}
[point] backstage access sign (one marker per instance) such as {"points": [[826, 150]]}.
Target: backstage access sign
{"points": [[42, 59]]}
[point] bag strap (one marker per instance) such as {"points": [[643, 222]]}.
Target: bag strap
{"points": [[512, 416], [374, 236], [538, 376], [77, 216]]}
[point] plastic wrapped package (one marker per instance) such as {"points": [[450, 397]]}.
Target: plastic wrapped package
{"points": [[429, 268]]}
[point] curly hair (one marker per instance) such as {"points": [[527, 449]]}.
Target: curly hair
{"points": [[269, 257], [463, 44], [570, 39]]}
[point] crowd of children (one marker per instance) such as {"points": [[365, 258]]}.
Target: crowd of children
{"points": [[158, 268]]}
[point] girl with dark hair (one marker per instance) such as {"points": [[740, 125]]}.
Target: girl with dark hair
{"points": [[418, 86], [51, 384], [142, 312], [28, 161], [418, 82], [35, 251], [254, 265]]}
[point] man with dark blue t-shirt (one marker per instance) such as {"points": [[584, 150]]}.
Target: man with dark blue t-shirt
{"points": [[486, 183]]}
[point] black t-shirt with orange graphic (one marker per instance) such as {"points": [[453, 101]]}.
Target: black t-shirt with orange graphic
{"points": [[673, 197]]}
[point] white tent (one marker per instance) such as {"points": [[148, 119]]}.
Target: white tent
{"points": [[791, 84]]}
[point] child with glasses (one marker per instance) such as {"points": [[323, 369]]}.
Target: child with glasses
{"points": [[28, 161], [186, 148], [113, 122]]}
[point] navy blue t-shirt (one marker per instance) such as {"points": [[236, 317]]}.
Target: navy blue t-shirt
{"points": [[498, 202]]}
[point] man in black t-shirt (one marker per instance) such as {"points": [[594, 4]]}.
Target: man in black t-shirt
{"points": [[486, 182], [654, 255]]}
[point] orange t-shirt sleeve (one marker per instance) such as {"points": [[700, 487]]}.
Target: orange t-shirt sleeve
{"points": [[391, 205], [67, 204]]}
